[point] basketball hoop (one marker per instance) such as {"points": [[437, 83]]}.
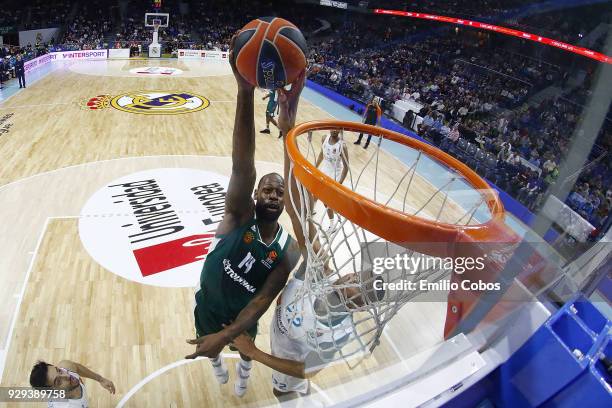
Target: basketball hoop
{"points": [[156, 24], [398, 208]]}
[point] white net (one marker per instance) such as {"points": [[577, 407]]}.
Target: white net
{"points": [[352, 294]]}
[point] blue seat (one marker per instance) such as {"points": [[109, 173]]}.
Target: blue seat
{"points": [[462, 145], [472, 149]]}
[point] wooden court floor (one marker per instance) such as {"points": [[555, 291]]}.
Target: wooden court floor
{"points": [[71, 307]]}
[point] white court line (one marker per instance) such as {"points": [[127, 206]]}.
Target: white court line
{"points": [[320, 391], [4, 352], [44, 173], [164, 156], [160, 371], [35, 105], [394, 347]]}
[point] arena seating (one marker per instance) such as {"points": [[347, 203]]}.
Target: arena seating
{"points": [[476, 93]]}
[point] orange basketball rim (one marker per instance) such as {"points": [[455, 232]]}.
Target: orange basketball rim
{"points": [[406, 229]]}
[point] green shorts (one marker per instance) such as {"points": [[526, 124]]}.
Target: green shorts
{"points": [[271, 110], [209, 322]]}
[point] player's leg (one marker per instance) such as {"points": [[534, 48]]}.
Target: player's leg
{"points": [[367, 143], [220, 369], [270, 119], [359, 139], [243, 368], [206, 323], [267, 129], [243, 373], [333, 221], [285, 387]]}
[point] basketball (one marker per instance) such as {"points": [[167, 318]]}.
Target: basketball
{"points": [[270, 52]]}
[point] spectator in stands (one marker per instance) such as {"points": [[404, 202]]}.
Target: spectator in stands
{"points": [[426, 124], [529, 192], [454, 134]]}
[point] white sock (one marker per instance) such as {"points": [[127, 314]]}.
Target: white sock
{"points": [[219, 368], [244, 371]]}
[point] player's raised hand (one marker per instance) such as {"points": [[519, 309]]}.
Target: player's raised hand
{"points": [[108, 385], [243, 84], [288, 102], [245, 345], [208, 346]]}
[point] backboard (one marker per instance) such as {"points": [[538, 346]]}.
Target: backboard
{"points": [[163, 18]]}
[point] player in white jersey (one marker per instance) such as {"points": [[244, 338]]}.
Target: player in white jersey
{"points": [[333, 162], [66, 376], [297, 319], [333, 158]]}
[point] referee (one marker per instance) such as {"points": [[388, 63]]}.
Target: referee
{"points": [[20, 71], [370, 117]]}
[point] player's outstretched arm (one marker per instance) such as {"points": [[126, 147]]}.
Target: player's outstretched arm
{"points": [[239, 205], [85, 372], [275, 282], [247, 347], [212, 344], [288, 103]]}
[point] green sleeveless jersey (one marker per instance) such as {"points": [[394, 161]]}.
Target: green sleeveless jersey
{"points": [[236, 269]]}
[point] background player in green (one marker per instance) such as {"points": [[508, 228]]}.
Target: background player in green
{"points": [[252, 256], [270, 112]]}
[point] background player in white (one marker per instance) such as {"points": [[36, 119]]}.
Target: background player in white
{"points": [[68, 376], [294, 357], [333, 162]]}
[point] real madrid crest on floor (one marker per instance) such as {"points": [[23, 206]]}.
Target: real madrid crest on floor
{"points": [[150, 102]]}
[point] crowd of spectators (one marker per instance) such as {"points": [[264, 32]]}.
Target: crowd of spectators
{"points": [[11, 17], [88, 30], [35, 14], [475, 94], [214, 24], [456, 73], [48, 13]]}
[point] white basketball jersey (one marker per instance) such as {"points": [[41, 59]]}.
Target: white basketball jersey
{"points": [[72, 403], [296, 332], [332, 158]]}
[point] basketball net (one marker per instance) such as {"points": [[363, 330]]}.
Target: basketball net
{"points": [[343, 279]]}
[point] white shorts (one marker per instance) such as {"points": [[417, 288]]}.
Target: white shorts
{"points": [[330, 171], [284, 347]]}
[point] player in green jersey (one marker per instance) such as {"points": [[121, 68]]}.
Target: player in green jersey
{"points": [[252, 255], [271, 112]]}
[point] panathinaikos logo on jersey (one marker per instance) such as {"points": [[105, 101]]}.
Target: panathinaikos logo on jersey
{"points": [[248, 237], [149, 102]]}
